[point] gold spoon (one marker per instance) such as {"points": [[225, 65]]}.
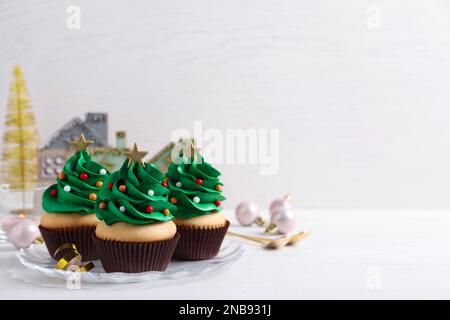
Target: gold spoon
{"points": [[273, 243], [268, 243], [298, 237], [293, 238]]}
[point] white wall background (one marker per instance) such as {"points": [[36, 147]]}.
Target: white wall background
{"points": [[363, 114]]}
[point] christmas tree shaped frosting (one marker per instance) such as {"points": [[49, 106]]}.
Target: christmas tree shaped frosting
{"points": [[77, 185], [194, 186], [135, 194]]}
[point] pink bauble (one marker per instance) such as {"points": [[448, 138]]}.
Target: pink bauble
{"points": [[246, 213], [284, 220], [281, 203], [9, 222], [23, 233], [35, 218]]}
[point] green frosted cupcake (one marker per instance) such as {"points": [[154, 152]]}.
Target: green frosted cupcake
{"points": [[196, 190], [136, 232], [70, 203]]}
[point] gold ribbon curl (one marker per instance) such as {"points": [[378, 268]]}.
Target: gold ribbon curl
{"points": [[72, 258]]}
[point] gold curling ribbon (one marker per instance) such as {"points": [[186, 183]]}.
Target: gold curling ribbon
{"points": [[72, 258], [38, 240]]}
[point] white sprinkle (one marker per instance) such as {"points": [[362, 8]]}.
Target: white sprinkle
{"points": [[67, 188], [179, 184], [196, 199], [151, 192], [102, 171], [122, 209]]}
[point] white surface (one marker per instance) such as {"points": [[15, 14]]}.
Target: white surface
{"points": [[37, 258], [363, 113], [338, 260]]}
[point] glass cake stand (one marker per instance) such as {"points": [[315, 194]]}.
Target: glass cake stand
{"points": [[39, 269]]}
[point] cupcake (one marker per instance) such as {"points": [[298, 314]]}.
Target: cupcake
{"points": [[136, 232], [69, 204], [197, 192]]}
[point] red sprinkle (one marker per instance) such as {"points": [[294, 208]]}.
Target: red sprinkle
{"points": [[110, 185], [218, 203], [199, 181], [84, 176], [164, 184], [54, 193], [149, 209]]}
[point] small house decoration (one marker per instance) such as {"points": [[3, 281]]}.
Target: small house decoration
{"points": [[112, 157], [163, 158], [54, 153]]}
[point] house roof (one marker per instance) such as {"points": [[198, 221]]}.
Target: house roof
{"points": [[75, 122], [162, 153]]}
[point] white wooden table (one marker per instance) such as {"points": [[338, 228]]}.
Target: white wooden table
{"points": [[349, 254]]}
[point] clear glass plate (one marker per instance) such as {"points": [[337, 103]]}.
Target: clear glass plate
{"points": [[37, 259]]}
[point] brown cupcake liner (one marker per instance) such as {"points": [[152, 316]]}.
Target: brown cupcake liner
{"points": [[199, 243], [132, 257], [81, 237]]}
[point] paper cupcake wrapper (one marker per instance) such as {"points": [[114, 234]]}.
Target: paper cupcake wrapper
{"points": [[199, 243], [81, 237], [132, 257]]}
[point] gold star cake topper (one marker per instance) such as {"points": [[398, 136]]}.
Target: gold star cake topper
{"points": [[135, 156], [81, 143], [193, 151]]}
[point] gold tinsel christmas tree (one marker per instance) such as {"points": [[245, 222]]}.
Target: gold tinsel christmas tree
{"points": [[20, 138]]}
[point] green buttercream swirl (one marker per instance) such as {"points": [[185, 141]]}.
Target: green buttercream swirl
{"points": [[187, 172], [77, 199], [138, 181]]}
